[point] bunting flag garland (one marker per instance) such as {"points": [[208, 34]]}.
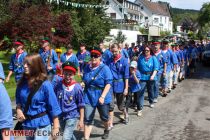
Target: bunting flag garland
{"points": [[79, 5]]}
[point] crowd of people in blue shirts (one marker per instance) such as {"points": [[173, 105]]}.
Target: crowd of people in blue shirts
{"points": [[49, 98]]}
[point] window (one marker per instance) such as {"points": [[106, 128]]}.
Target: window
{"points": [[156, 20], [127, 5], [131, 16], [146, 18], [113, 15], [160, 19], [141, 17], [107, 3], [165, 19], [142, 8]]}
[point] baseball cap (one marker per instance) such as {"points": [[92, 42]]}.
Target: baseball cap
{"points": [[133, 64]]}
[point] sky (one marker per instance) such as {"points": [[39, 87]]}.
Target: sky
{"points": [[184, 4]]}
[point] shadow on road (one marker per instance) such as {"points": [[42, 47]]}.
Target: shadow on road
{"points": [[208, 119], [202, 72]]}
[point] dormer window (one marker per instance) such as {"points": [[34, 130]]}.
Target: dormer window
{"points": [[107, 2]]}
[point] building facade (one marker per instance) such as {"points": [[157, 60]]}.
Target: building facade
{"points": [[155, 14]]}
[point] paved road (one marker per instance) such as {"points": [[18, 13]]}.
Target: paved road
{"points": [[183, 115]]}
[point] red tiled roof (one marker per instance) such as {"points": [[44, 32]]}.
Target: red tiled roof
{"points": [[157, 8]]}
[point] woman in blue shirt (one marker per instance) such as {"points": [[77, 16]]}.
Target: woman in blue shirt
{"points": [[44, 108], [148, 67], [98, 79], [70, 98]]}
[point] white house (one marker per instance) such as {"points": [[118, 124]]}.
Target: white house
{"points": [[126, 16], [155, 14], [130, 16], [125, 13]]}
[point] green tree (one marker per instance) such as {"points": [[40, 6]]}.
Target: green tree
{"points": [[178, 15], [3, 11], [30, 22], [204, 15], [120, 38], [164, 33], [90, 25], [204, 21], [143, 30]]}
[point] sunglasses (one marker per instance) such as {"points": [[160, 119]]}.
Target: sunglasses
{"points": [[147, 50], [68, 73], [94, 56]]}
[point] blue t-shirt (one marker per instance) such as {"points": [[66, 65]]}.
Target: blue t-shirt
{"points": [[107, 56], [162, 59], [43, 100], [146, 67], [82, 58], [173, 58], [124, 53], [16, 65], [168, 58], [178, 56], [2, 76], [70, 100], [95, 88], [185, 55], [6, 120], [134, 87], [49, 56], [120, 72], [194, 53], [72, 59]]}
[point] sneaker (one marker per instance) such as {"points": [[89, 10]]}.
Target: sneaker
{"points": [[174, 86], [164, 95], [110, 127], [14, 117], [106, 134], [126, 120], [135, 108], [152, 105], [155, 101], [139, 113]]}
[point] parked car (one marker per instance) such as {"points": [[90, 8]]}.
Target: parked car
{"points": [[206, 55]]}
